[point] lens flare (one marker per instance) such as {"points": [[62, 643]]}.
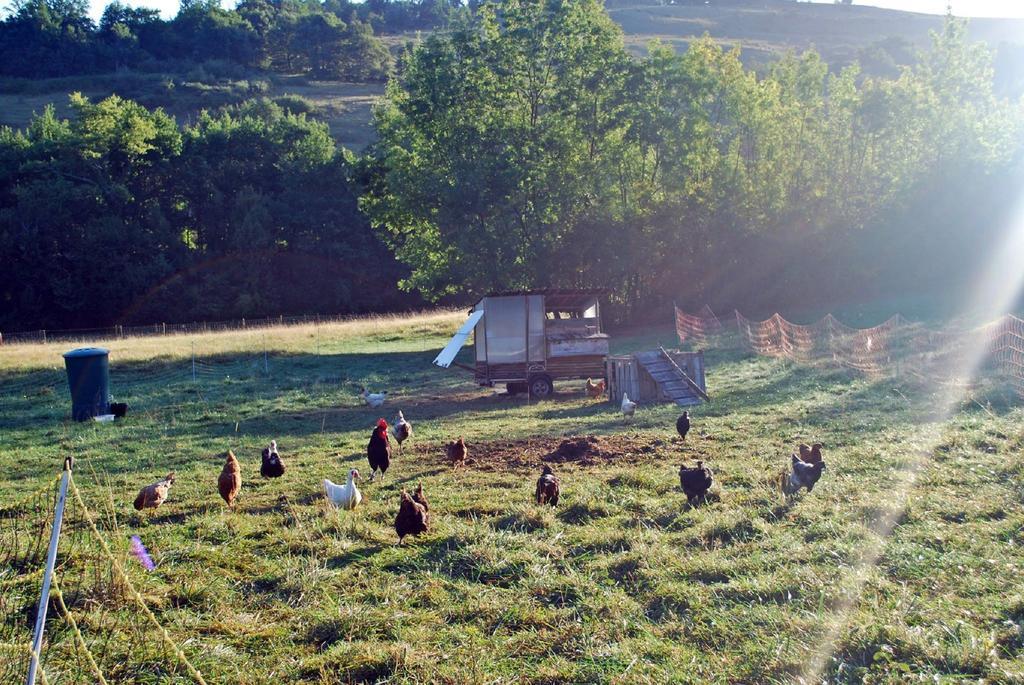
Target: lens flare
{"points": [[139, 550], [997, 290]]}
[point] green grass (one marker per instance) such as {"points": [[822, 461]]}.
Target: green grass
{"points": [[623, 582]]}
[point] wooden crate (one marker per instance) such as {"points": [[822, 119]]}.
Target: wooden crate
{"points": [[626, 375]]}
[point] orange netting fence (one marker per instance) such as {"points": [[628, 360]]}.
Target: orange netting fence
{"points": [[894, 346], [697, 327]]}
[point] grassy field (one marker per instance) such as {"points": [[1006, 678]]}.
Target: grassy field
{"points": [[901, 566]]}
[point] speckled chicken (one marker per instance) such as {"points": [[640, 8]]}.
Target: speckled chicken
{"points": [[229, 482], [412, 518], [152, 496], [547, 487], [402, 429], [696, 481]]}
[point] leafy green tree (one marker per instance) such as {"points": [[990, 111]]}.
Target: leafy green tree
{"points": [[492, 143], [116, 215], [47, 38]]}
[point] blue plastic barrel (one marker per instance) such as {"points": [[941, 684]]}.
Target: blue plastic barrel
{"points": [[88, 371]]}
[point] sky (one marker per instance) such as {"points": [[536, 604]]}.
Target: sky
{"points": [[961, 8]]}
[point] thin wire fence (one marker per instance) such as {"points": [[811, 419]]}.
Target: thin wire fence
{"points": [[159, 329], [99, 627], [896, 346], [177, 373]]}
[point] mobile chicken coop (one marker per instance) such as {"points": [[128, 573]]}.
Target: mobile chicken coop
{"points": [[529, 339]]}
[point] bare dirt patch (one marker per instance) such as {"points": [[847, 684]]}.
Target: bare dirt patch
{"points": [[586, 450]]}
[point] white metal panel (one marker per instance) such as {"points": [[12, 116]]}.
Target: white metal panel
{"points": [[447, 355], [506, 330], [578, 346], [535, 322]]}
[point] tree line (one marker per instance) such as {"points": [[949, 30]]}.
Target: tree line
{"points": [[321, 38], [523, 147], [526, 147], [118, 215]]}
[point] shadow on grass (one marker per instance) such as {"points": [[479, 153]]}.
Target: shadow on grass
{"points": [[353, 556]]}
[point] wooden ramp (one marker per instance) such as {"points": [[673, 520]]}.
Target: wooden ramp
{"points": [[673, 382]]}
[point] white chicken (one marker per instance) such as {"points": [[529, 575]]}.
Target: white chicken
{"points": [[628, 406], [345, 496], [373, 399]]}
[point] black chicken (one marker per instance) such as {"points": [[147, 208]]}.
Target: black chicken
{"points": [[683, 424], [696, 481], [272, 466], [378, 451], [547, 487], [803, 475], [412, 518]]}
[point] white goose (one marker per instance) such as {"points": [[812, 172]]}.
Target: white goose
{"points": [[628, 406], [345, 496]]}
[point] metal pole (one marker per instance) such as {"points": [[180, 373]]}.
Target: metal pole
{"points": [[318, 336], [193, 361], [51, 561], [265, 369]]}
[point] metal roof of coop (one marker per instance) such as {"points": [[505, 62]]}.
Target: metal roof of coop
{"points": [[557, 298]]}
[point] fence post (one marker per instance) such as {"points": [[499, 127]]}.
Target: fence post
{"points": [[51, 561], [44, 336], [318, 336], [266, 370], [193, 361], [165, 327]]}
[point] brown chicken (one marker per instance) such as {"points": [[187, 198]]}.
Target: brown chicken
{"points": [[456, 452], [812, 454], [412, 518], [596, 390], [419, 498], [152, 496], [230, 480], [547, 487]]}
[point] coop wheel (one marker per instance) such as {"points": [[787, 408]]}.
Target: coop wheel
{"points": [[541, 387]]}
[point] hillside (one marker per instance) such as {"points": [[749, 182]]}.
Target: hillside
{"points": [[897, 566], [880, 39], [346, 107], [766, 28]]}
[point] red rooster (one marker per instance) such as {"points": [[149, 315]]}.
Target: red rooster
{"points": [[378, 451]]}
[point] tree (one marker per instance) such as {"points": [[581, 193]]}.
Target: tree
{"points": [[495, 142]]}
